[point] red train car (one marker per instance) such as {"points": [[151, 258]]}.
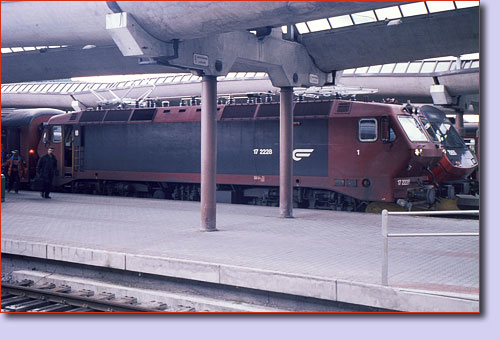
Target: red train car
{"points": [[22, 130], [346, 154]]}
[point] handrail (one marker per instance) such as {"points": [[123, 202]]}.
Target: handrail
{"points": [[386, 235]]}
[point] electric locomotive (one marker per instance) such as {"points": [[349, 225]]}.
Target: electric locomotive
{"points": [[346, 154]]}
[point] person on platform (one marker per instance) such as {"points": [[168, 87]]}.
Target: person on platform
{"points": [[15, 171], [46, 169]]}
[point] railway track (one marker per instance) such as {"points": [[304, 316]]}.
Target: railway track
{"points": [[47, 297]]}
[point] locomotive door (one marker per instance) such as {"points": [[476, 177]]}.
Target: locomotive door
{"points": [[77, 138], [68, 151]]}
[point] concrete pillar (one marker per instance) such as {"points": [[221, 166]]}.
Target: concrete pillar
{"points": [[459, 123], [286, 149], [208, 152]]}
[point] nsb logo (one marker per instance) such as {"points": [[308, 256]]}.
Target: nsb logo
{"points": [[300, 153]]}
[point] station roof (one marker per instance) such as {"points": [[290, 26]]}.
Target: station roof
{"points": [[337, 35]]}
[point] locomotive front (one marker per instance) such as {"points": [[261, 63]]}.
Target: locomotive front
{"points": [[412, 185]]}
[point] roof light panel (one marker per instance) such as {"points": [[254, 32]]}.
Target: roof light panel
{"points": [[440, 6], [360, 70], [6, 50], [52, 88], [80, 88], [469, 56], [34, 88], [443, 66], [27, 88], [466, 4], [319, 25], [302, 28], [375, 69], [364, 17], [428, 67], [401, 67], [387, 68], [45, 88], [388, 13], [414, 67], [60, 87], [17, 49], [65, 88], [340, 21], [417, 8]]}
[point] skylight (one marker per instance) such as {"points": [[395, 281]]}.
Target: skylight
{"points": [[318, 25], [388, 13], [440, 6], [381, 14], [364, 17], [417, 8], [340, 21]]}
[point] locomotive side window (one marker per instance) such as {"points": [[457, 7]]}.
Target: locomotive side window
{"points": [[387, 134], [45, 138], [412, 128], [56, 134], [367, 130]]}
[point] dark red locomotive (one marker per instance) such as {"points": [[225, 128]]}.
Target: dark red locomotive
{"points": [[346, 154]]}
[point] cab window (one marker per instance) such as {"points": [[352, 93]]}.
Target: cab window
{"points": [[367, 130], [429, 128], [412, 128], [56, 134]]}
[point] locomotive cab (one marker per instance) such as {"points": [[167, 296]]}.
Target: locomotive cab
{"points": [[22, 130], [458, 162], [60, 137]]}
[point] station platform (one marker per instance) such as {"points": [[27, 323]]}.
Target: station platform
{"points": [[320, 254]]}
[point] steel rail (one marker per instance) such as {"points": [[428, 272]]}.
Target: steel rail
{"points": [[73, 300]]}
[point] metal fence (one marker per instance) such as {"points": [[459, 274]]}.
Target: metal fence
{"points": [[386, 235]]}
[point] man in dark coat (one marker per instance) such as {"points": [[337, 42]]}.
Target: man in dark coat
{"points": [[46, 169]]}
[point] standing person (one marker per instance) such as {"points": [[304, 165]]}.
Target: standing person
{"points": [[15, 170], [46, 169]]}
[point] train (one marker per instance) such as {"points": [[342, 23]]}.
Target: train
{"points": [[22, 131], [347, 155]]}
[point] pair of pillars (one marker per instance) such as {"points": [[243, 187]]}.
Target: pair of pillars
{"points": [[209, 152]]}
